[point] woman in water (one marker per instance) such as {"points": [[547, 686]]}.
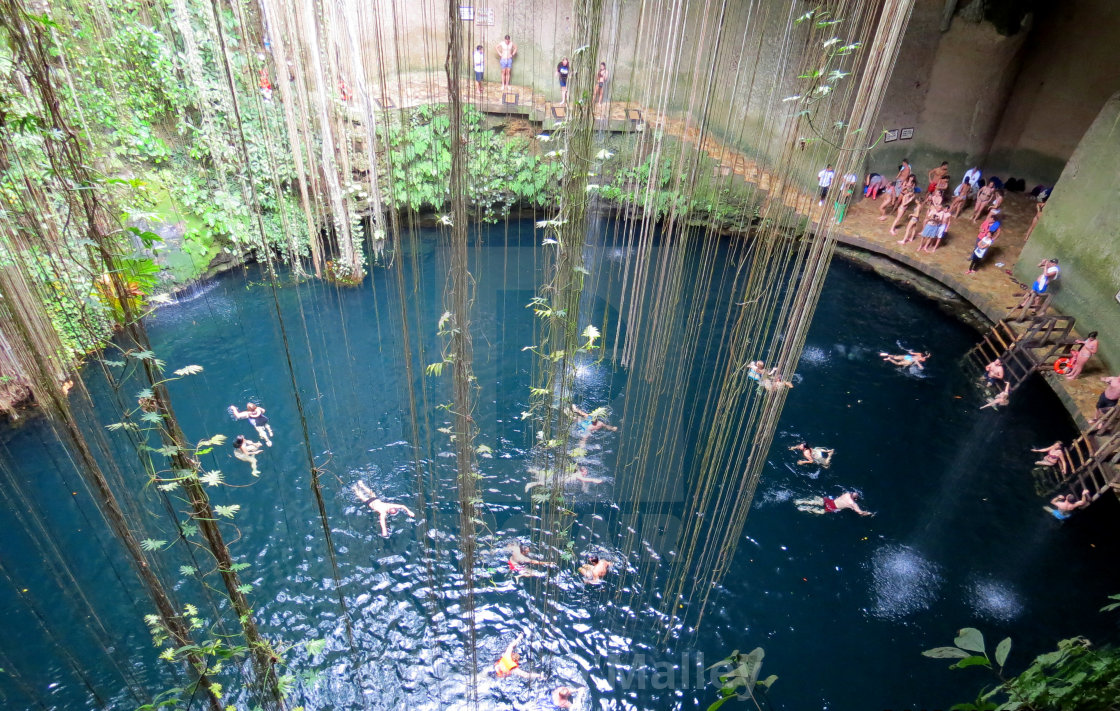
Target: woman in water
{"points": [[813, 455], [910, 358], [509, 664], [1088, 349], [590, 423], [247, 450], [1002, 398], [255, 414]]}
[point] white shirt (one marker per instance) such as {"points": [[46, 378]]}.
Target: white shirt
{"points": [[972, 176], [825, 177], [479, 60]]}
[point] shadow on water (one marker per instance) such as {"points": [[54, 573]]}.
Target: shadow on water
{"points": [[843, 605]]}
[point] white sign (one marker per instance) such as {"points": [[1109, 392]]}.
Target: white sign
{"points": [[485, 17], [466, 13]]}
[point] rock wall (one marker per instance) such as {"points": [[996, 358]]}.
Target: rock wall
{"points": [[1081, 227], [1016, 105]]}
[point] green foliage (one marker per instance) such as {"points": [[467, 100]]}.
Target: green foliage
{"points": [[1076, 676], [502, 171], [741, 681]]}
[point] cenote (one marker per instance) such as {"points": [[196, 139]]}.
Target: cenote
{"points": [[842, 605]]}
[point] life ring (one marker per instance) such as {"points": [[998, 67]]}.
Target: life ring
{"points": [[1063, 366]]}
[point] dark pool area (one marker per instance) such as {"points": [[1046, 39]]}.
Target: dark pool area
{"points": [[843, 605]]}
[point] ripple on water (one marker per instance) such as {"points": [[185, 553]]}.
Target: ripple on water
{"points": [[814, 355], [994, 600], [903, 582]]}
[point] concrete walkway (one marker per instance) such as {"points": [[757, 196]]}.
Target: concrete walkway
{"points": [[992, 290]]}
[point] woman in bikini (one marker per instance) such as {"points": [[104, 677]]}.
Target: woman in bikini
{"points": [[907, 359], [1087, 351], [983, 200], [909, 195], [247, 450], [1052, 456], [600, 80], [960, 199]]}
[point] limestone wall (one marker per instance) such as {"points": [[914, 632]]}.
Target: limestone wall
{"points": [[1016, 105], [1081, 227]]}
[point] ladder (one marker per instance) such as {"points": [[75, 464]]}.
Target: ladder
{"points": [[1091, 461], [1023, 352]]}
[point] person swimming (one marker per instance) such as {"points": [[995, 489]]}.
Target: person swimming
{"points": [[594, 570], [907, 359], [813, 455], [590, 423], [383, 508], [828, 504], [509, 664], [519, 561], [255, 414], [247, 450], [1002, 398]]}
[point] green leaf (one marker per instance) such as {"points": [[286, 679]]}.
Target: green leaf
{"points": [[316, 646], [973, 661], [244, 588], [187, 570], [227, 511], [768, 681], [211, 478], [151, 544], [945, 653], [189, 370], [1002, 650], [971, 639]]}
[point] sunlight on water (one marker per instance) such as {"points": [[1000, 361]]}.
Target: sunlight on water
{"points": [[994, 600], [903, 582]]}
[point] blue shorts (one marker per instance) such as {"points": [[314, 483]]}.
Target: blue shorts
{"points": [[506, 63], [1059, 515], [478, 76]]}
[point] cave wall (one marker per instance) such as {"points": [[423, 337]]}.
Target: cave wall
{"points": [[1016, 105], [1081, 227]]}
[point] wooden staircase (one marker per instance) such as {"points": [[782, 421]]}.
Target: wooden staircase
{"points": [[1024, 351], [1092, 461]]}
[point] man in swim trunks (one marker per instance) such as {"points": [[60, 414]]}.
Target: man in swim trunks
{"points": [[993, 372], [828, 504], [509, 664], [383, 508], [519, 560], [594, 570], [1064, 506], [936, 175], [507, 50], [1108, 398]]}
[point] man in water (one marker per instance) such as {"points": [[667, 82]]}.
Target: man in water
{"points": [[827, 504], [509, 664], [383, 508], [507, 50], [519, 560], [594, 570], [590, 423], [561, 698], [1064, 506], [813, 455]]}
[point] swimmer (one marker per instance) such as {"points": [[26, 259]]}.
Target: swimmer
{"points": [[590, 423], [576, 475], [255, 414], [383, 508], [827, 504], [913, 358], [1002, 398], [756, 370], [772, 381], [594, 570], [509, 664], [247, 450], [1064, 506], [519, 560], [1054, 454], [993, 372], [561, 698], [813, 455]]}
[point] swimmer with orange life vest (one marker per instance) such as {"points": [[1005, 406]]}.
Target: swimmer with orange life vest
{"points": [[509, 664]]}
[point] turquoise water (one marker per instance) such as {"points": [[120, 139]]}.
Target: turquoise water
{"points": [[842, 605]]}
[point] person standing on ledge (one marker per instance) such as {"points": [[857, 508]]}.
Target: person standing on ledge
{"points": [[507, 50], [824, 180], [936, 175], [1088, 350], [600, 82], [479, 67], [563, 69], [1108, 398]]}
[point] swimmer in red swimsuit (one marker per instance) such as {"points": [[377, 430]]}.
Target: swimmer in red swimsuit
{"points": [[519, 561], [827, 504]]}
